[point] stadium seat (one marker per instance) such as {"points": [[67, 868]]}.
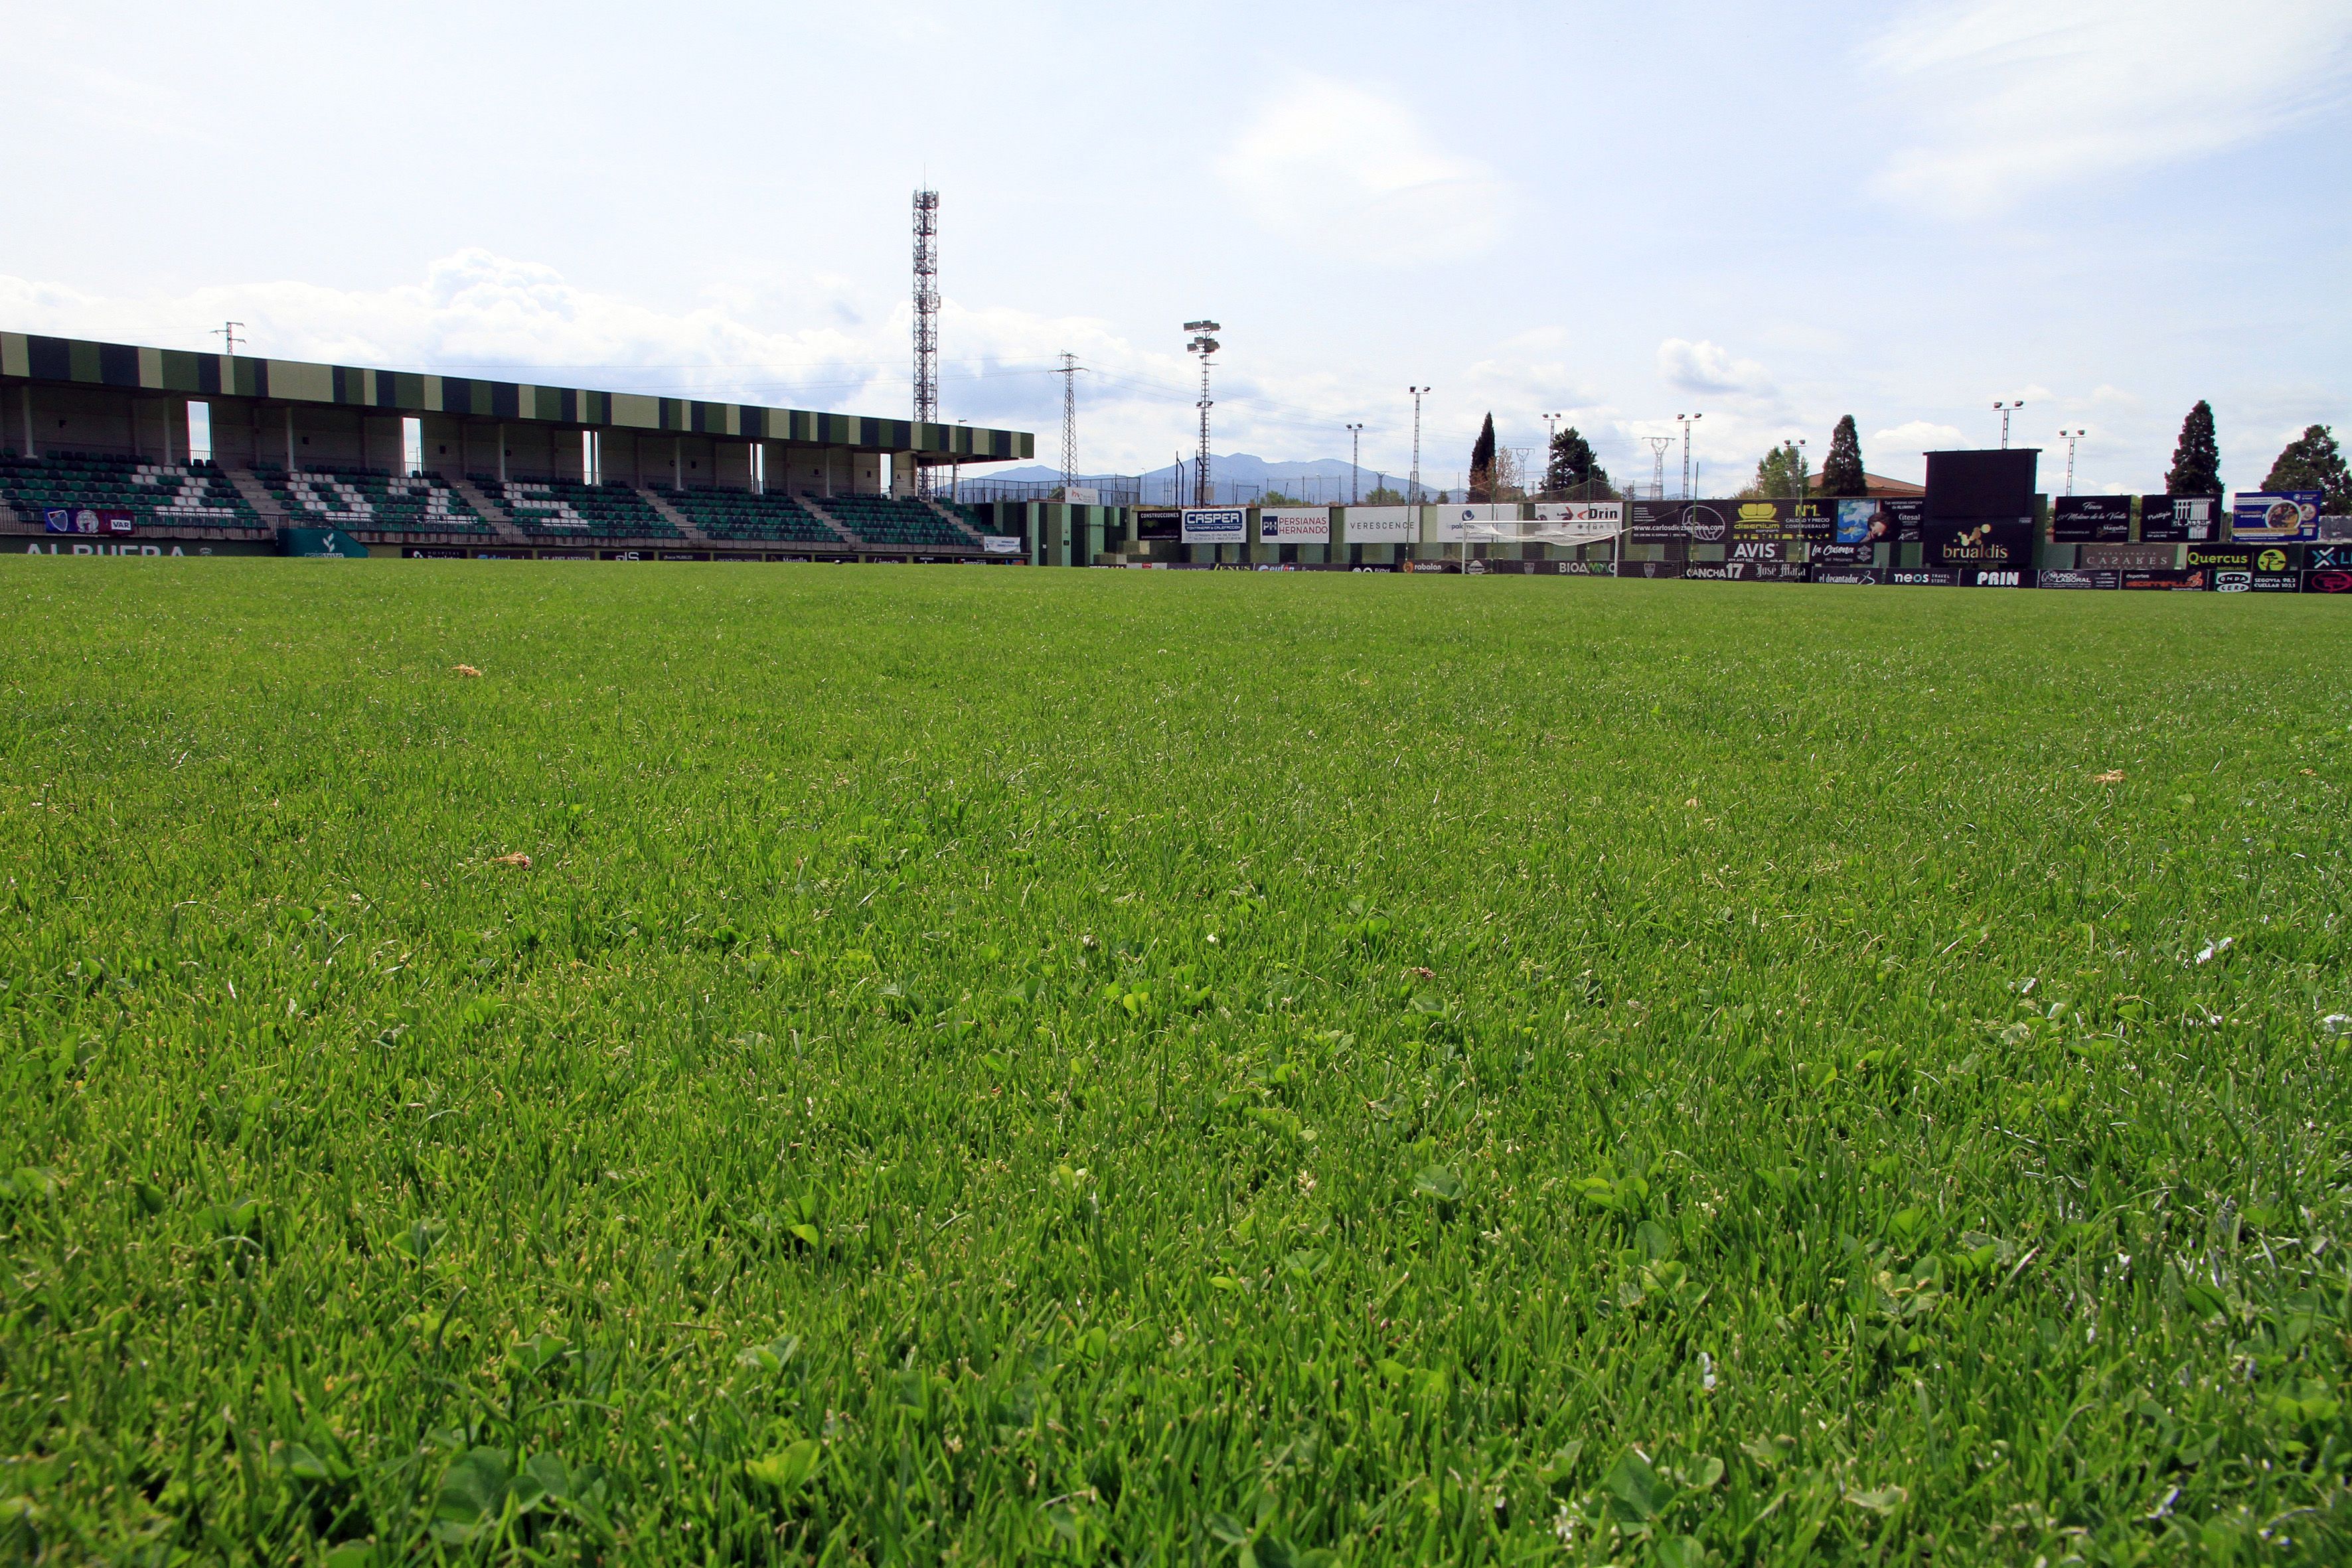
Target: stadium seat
{"points": [[193, 494], [741, 517], [367, 499], [566, 509], [894, 524]]}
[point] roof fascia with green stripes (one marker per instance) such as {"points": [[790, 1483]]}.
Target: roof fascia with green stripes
{"points": [[79, 362]]}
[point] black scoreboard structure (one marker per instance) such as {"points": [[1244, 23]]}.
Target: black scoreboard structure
{"points": [[1981, 516]]}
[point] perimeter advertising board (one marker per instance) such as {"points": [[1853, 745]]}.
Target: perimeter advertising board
{"points": [[83, 520], [1158, 522], [2332, 580], [2179, 520], [2088, 520], [1294, 525], [1599, 517], [1848, 577], [1708, 521], [2327, 557], [1657, 569], [1477, 522], [1382, 524], [2132, 557], [2076, 577], [1216, 525], [2248, 568], [1649, 521], [2003, 545], [2275, 514]]}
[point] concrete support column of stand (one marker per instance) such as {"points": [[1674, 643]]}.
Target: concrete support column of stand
{"points": [[30, 451], [168, 443], [677, 462], [290, 438], [502, 454]]}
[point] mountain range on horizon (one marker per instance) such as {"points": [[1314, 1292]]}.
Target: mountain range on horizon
{"points": [[1234, 476]]}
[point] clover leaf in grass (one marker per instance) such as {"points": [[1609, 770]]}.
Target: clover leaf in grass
{"points": [[1681, 1552], [1638, 1494], [788, 1469], [473, 1496], [1438, 1183], [772, 1357], [1880, 1500]]}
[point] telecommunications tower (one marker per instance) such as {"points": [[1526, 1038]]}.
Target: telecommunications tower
{"points": [[1412, 485], [1205, 346], [926, 320], [1659, 446], [1069, 374]]}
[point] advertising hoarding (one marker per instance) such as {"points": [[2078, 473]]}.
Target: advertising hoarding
{"points": [[1294, 525], [2331, 580], [2075, 577], [1651, 520], [2131, 557], [2275, 514], [1649, 568], [1981, 483], [1158, 522], [1382, 524], [1477, 522], [2007, 544], [2327, 557], [1000, 544], [1601, 516], [2179, 520], [1216, 525], [2086, 519], [1849, 576], [1708, 521]]}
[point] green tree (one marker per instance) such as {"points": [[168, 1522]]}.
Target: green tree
{"points": [[1571, 470], [1842, 472], [1779, 475], [1482, 462], [2312, 461], [1382, 496], [2196, 457], [1277, 498]]}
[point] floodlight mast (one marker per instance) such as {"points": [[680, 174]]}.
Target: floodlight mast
{"points": [[926, 322], [1205, 344], [2005, 410], [1412, 485], [2069, 437], [1686, 421], [1355, 459]]}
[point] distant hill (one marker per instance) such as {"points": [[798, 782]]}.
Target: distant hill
{"points": [[1237, 476]]}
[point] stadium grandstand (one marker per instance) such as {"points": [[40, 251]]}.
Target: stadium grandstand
{"points": [[112, 448]]}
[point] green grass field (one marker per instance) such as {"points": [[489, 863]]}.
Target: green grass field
{"points": [[1092, 1066]]}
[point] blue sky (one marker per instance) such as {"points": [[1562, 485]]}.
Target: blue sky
{"points": [[1770, 215]]}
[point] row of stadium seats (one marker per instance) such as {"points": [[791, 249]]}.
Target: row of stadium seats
{"points": [[883, 520], [193, 494], [372, 499], [566, 509], [739, 515]]}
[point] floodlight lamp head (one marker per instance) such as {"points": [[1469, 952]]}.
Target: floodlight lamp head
{"points": [[1202, 327]]}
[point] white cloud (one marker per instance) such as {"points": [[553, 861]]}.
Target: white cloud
{"points": [[1342, 168], [1906, 441], [1709, 367], [2007, 97]]}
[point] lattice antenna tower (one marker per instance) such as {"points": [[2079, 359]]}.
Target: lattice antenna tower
{"points": [[1659, 447], [1069, 372], [927, 319], [1205, 344]]}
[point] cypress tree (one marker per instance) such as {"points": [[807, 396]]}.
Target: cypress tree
{"points": [[1482, 463], [1842, 472], [2312, 461], [2197, 458]]}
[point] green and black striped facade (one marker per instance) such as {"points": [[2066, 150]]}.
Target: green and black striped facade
{"points": [[128, 368]]}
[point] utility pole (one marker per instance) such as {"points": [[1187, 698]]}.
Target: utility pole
{"points": [[1658, 445], [2069, 437], [1804, 479], [1412, 486], [2005, 410], [1205, 346], [227, 333], [1355, 458], [1069, 374], [1686, 421], [926, 322]]}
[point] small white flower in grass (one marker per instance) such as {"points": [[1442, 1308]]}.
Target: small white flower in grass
{"points": [[2213, 950], [1707, 1372], [1563, 1525]]}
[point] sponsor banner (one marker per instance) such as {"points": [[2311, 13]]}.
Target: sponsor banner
{"points": [[2176, 579], [2275, 514], [2075, 577], [2335, 528], [2277, 583], [2249, 557], [1158, 522], [1216, 525], [567, 555], [1990, 544], [1753, 520], [1997, 577], [1924, 577], [1294, 525], [2327, 557], [2087, 519], [1382, 524], [1650, 568], [1650, 520], [622, 555], [1708, 521], [1458, 523], [1082, 495], [1744, 570], [2132, 557], [432, 553], [1859, 523], [1849, 576], [2179, 520], [1601, 516], [1428, 566], [1000, 544], [684, 555], [2335, 580], [86, 520], [1764, 550], [1553, 568], [1831, 553]]}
